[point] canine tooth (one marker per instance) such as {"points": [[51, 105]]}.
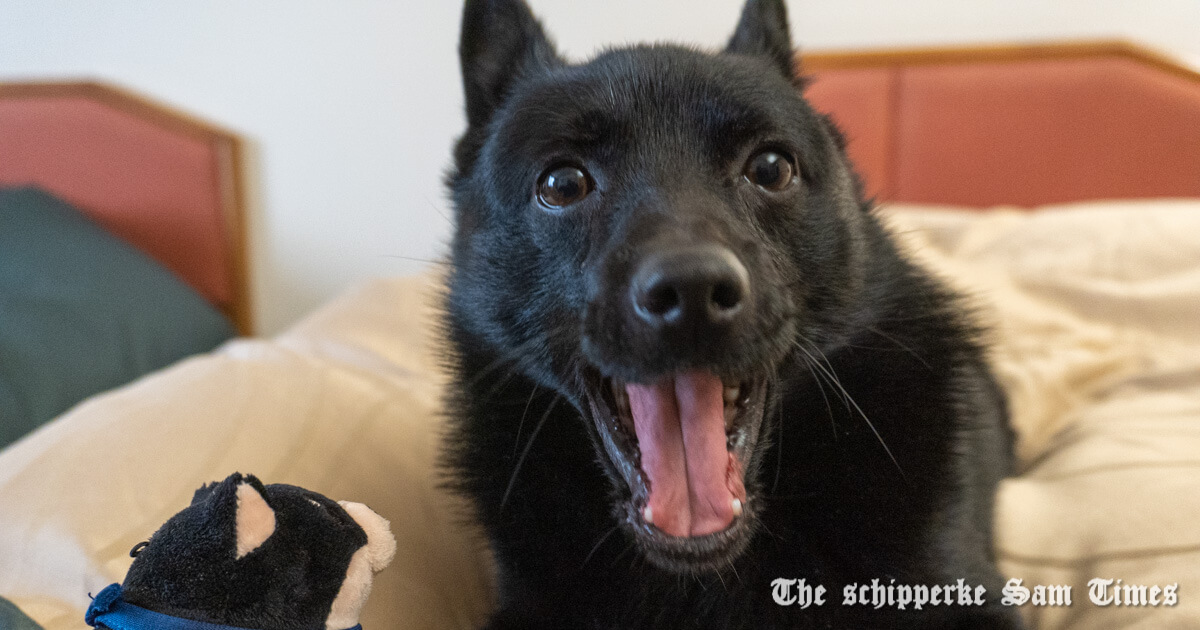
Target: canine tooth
{"points": [[737, 507], [732, 394], [647, 514], [621, 400]]}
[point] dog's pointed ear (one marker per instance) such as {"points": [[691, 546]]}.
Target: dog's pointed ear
{"points": [[500, 40], [763, 31]]}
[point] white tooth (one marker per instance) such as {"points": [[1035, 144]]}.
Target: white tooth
{"points": [[732, 394], [737, 507], [647, 514]]}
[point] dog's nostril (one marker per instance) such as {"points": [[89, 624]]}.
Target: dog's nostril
{"points": [[661, 300], [726, 296]]}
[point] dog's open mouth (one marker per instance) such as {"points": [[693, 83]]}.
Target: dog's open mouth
{"points": [[682, 444]]}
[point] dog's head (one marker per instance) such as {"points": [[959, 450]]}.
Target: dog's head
{"points": [[652, 234]]}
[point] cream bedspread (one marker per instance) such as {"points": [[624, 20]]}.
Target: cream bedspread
{"points": [[1096, 316], [1096, 322]]}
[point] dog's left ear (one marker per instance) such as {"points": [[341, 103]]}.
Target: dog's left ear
{"points": [[763, 31]]}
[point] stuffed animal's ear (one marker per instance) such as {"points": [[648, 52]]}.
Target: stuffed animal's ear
{"points": [[255, 519], [203, 492], [500, 39], [763, 31], [381, 544], [223, 488]]}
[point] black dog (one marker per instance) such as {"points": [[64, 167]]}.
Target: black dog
{"points": [[689, 360]]}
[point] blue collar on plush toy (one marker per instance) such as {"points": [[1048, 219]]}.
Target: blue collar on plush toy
{"points": [[109, 610]]}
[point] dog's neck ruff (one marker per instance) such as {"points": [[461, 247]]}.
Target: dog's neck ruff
{"points": [[108, 610]]}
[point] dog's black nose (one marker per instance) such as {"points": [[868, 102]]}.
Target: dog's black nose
{"points": [[690, 287]]}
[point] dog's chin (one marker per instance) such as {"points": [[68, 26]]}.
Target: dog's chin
{"points": [[692, 552]]}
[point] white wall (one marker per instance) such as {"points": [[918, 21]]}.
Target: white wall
{"points": [[352, 105]]}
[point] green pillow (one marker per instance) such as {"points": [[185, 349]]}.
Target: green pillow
{"points": [[81, 311], [11, 617]]}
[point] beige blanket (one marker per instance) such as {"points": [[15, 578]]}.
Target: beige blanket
{"points": [[1096, 318], [1096, 311]]}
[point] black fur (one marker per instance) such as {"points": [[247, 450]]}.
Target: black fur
{"points": [[535, 311]]}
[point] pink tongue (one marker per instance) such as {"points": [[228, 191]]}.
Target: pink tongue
{"points": [[680, 425]]}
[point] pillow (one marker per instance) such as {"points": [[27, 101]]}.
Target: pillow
{"points": [[11, 617], [81, 311]]}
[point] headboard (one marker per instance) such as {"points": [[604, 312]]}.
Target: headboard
{"points": [[162, 180], [1023, 125]]}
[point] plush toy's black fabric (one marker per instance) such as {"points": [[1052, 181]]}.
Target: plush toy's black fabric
{"points": [[190, 567]]}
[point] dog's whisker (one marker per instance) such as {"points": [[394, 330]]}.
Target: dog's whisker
{"points": [[825, 358], [734, 570], [513, 369], [438, 210], [902, 320], [415, 259], [811, 362], [521, 424], [624, 551], [512, 356], [831, 376], [821, 388], [779, 449], [499, 384], [768, 530], [483, 373], [902, 346], [850, 399], [598, 543], [525, 453]]}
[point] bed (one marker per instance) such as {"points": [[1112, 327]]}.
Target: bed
{"points": [[121, 244], [1086, 264]]}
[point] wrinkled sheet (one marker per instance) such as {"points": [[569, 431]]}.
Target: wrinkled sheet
{"points": [[1095, 315]]}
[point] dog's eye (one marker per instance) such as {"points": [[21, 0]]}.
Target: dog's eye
{"points": [[563, 185], [770, 171]]}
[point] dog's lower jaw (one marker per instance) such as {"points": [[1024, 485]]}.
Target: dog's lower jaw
{"points": [[704, 548]]}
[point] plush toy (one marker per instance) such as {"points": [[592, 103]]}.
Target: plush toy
{"points": [[248, 556]]}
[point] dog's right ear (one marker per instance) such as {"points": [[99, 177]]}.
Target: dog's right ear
{"points": [[500, 40], [763, 32]]}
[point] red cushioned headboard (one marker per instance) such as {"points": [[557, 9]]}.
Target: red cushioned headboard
{"points": [[1024, 125], [164, 181]]}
